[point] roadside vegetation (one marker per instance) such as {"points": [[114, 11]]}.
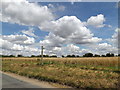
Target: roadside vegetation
{"points": [[67, 56], [87, 72]]}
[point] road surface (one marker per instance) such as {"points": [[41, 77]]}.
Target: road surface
{"points": [[17, 81], [10, 82]]}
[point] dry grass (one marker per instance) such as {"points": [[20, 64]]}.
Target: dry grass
{"points": [[105, 61], [76, 72]]}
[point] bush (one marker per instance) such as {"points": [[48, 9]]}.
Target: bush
{"points": [[33, 56], [96, 55], [109, 55], [103, 56], [88, 55], [53, 56], [19, 56], [71, 55]]}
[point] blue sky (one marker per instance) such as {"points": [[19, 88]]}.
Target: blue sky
{"points": [[82, 11]]}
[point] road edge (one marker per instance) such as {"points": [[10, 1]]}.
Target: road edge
{"points": [[32, 81]]}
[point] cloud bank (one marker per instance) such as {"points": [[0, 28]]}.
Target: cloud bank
{"points": [[24, 13], [65, 33]]}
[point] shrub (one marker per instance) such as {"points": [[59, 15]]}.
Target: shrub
{"points": [[88, 55]]}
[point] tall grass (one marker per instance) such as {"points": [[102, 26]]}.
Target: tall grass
{"points": [[75, 72]]}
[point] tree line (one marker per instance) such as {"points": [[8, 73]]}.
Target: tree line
{"points": [[93, 55], [27, 56], [85, 55]]}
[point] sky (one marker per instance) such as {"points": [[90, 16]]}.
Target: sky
{"points": [[61, 27]]}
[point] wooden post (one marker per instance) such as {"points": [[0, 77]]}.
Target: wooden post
{"points": [[42, 53]]}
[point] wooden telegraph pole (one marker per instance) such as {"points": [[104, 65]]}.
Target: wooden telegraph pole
{"points": [[42, 53]]}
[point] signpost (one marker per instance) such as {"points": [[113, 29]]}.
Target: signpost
{"points": [[42, 53]]}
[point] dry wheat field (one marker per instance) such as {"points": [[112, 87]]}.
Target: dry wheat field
{"points": [[94, 72]]}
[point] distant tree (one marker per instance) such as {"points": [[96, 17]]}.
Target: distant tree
{"points": [[77, 56], [96, 55], [7, 56], [1, 55], [19, 55], [38, 56], [63, 56], [11, 56], [103, 55], [88, 55], [73, 55], [112, 55], [53, 56], [119, 55], [4, 56], [109, 55], [45, 55], [33, 56], [68, 56]]}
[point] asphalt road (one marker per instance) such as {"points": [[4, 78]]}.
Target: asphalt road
{"points": [[10, 82]]}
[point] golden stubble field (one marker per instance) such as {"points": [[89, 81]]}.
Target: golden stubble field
{"points": [[95, 72]]}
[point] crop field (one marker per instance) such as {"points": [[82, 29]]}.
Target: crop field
{"points": [[95, 72]]}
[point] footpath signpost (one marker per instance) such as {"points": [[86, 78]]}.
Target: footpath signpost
{"points": [[42, 53]]}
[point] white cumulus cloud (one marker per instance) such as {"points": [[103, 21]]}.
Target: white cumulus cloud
{"points": [[96, 21], [57, 7], [115, 40], [29, 32], [10, 48], [103, 48], [64, 35], [68, 29], [24, 13], [19, 39]]}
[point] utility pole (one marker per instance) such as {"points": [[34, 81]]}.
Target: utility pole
{"points": [[42, 53]]}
